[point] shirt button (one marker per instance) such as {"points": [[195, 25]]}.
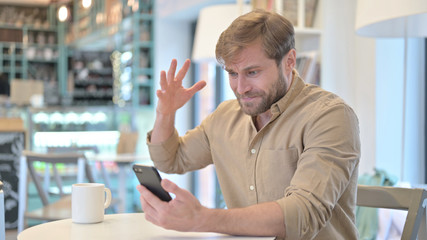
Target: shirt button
{"points": [[251, 187], [253, 151]]}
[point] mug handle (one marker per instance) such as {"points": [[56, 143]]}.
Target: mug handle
{"points": [[107, 197]]}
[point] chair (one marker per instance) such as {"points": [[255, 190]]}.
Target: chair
{"points": [[414, 200], [2, 212], [93, 149], [51, 210], [85, 149]]}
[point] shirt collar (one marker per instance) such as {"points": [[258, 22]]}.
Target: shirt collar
{"points": [[296, 86]]}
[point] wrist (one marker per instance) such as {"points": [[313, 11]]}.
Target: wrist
{"points": [[163, 127], [160, 112], [208, 220], [165, 118]]}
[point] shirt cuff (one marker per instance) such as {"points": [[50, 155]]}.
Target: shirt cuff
{"points": [[164, 150], [294, 214]]}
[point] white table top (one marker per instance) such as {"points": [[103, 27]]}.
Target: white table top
{"points": [[119, 158], [127, 226]]}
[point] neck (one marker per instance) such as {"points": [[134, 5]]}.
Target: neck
{"points": [[262, 119]]}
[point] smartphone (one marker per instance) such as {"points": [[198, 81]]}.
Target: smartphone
{"points": [[149, 177]]}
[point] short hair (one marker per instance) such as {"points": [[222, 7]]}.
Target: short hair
{"points": [[275, 32]]}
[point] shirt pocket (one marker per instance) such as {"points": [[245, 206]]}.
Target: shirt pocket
{"points": [[274, 171]]}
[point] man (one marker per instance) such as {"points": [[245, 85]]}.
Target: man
{"points": [[286, 153]]}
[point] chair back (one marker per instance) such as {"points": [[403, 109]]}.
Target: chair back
{"points": [[93, 149], [78, 160], [414, 200], [80, 149], [53, 209]]}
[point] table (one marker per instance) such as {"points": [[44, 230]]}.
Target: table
{"points": [[127, 226], [124, 161]]}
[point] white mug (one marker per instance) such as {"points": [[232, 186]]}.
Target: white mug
{"points": [[88, 201]]}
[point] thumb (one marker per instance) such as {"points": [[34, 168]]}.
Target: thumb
{"points": [[171, 187]]}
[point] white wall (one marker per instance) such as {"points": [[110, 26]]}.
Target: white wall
{"points": [[368, 74], [349, 71], [173, 40], [390, 69]]}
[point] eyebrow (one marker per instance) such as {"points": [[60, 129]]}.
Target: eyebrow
{"points": [[245, 69], [228, 70]]}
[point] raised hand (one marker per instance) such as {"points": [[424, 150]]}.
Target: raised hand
{"points": [[172, 94]]}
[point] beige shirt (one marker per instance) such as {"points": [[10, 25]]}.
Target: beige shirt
{"points": [[306, 158]]}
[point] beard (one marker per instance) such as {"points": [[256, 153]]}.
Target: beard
{"points": [[274, 93]]}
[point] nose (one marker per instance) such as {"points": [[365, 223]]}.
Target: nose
{"points": [[242, 85]]}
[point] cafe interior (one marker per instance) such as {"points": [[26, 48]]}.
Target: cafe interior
{"points": [[77, 95]]}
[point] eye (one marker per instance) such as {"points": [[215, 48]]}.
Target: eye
{"points": [[252, 73], [232, 74]]}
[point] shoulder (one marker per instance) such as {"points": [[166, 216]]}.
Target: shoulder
{"points": [[328, 110], [320, 95], [228, 106], [321, 100], [317, 108], [227, 112]]}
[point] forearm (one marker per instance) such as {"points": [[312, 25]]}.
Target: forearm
{"points": [[164, 127], [264, 219]]}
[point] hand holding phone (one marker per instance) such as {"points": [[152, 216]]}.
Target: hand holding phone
{"points": [[149, 177]]}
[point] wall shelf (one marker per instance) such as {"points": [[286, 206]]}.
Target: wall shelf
{"points": [[92, 78], [128, 32], [31, 51]]}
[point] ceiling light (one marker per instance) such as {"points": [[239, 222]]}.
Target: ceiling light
{"points": [[86, 3], [62, 13]]}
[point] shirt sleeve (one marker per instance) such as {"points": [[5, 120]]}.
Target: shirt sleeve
{"points": [[181, 154], [324, 171]]}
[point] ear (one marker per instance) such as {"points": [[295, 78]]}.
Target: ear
{"points": [[289, 61]]}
